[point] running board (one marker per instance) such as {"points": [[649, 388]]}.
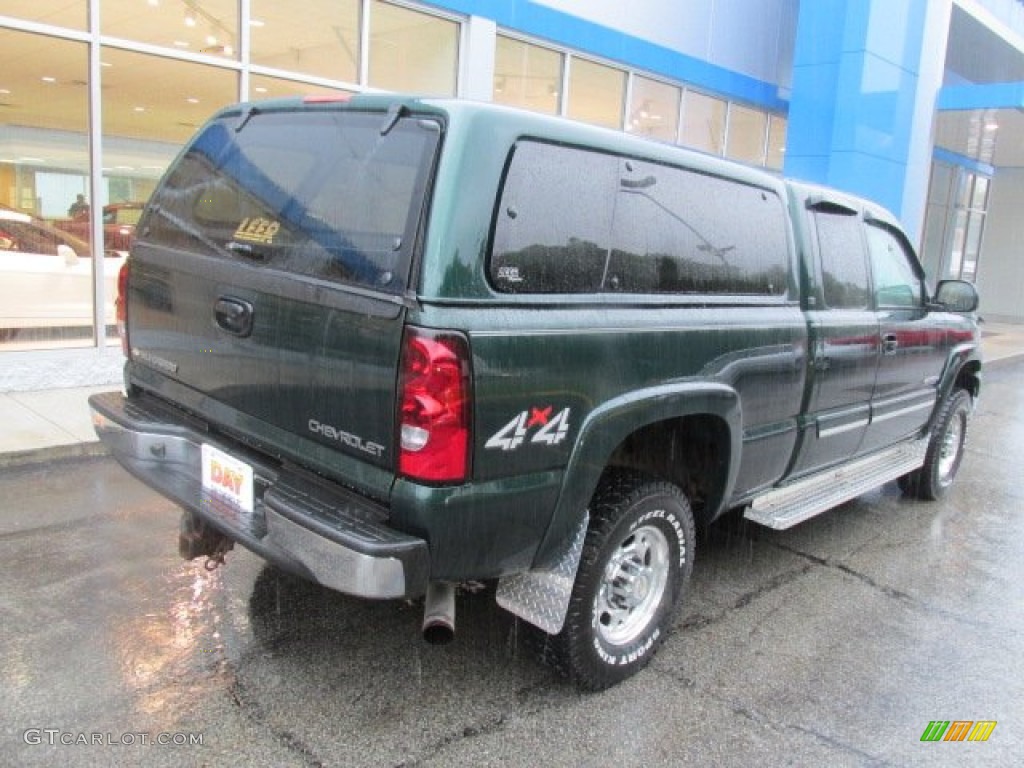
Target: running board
{"points": [[791, 504]]}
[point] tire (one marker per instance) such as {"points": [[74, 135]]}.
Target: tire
{"points": [[637, 559], [945, 451]]}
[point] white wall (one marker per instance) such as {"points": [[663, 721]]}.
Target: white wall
{"points": [[1001, 269], [1008, 12], [754, 37]]}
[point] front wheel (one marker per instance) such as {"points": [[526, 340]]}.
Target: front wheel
{"points": [[637, 559], [945, 451]]}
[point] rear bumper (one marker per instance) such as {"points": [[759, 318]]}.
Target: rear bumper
{"points": [[299, 522]]}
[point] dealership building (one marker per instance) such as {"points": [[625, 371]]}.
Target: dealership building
{"points": [[916, 104]]}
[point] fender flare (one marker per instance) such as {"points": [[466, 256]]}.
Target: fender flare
{"points": [[608, 425], [959, 358]]}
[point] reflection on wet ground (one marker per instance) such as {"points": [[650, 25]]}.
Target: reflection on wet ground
{"points": [[834, 643]]}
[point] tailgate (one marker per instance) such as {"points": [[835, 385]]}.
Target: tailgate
{"points": [[269, 273]]}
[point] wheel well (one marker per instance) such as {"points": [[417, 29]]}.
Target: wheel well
{"points": [[969, 379], [692, 452]]}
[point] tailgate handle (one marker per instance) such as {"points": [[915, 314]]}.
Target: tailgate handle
{"points": [[234, 315]]}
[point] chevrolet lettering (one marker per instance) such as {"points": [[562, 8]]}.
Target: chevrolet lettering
{"points": [[353, 441]]}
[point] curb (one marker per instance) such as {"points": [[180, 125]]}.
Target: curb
{"points": [[999, 362], [36, 456]]}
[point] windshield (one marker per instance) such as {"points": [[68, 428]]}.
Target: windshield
{"points": [[323, 194]]}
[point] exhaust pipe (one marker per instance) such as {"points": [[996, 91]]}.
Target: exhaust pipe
{"points": [[439, 613]]}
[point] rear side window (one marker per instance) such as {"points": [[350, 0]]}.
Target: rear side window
{"points": [[677, 231], [576, 221], [323, 194], [554, 222]]}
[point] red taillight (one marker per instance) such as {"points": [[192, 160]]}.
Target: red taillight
{"points": [[121, 308], [434, 407]]}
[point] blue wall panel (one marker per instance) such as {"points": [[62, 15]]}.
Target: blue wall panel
{"points": [[573, 32], [855, 91], [985, 96]]}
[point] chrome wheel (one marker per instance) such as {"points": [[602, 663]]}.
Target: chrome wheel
{"points": [[632, 586], [636, 561], [949, 453], [945, 450]]}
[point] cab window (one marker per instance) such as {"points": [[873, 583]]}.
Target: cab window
{"points": [[896, 280], [844, 271]]}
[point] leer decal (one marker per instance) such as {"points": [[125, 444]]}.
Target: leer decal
{"points": [[256, 229], [551, 430]]}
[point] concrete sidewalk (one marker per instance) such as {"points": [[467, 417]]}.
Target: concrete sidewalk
{"points": [[47, 424]]}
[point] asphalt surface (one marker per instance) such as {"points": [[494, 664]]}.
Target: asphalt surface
{"points": [[835, 643]]}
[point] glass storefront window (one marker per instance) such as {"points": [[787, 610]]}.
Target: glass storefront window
{"points": [[654, 109], [940, 187], [46, 283], [979, 200], [322, 40], [745, 140], [955, 222], [596, 93], [60, 13], [160, 102], [963, 189], [776, 156], [527, 76], [412, 52], [263, 87], [152, 106], [703, 122], [972, 246], [937, 221], [956, 256], [208, 27]]}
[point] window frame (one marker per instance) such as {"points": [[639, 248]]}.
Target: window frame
{"points": [[909, 257]]}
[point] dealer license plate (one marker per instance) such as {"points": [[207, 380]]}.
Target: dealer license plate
{"points": [[228, 477]]}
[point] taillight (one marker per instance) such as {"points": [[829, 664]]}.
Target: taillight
{"points": [[434, 407], [121, 308]]}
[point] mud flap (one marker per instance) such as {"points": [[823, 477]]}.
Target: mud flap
{"points": [[541, 597]]}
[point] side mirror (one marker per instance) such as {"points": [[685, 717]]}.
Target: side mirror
{"points": [[67, 253], [956, 296]]}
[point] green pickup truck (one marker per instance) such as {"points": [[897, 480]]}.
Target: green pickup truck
{"points": [[392, 345]]}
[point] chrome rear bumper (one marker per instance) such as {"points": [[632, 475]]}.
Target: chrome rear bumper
{"points": [[299, 522]]}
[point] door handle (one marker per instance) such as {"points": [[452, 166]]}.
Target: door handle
{"points": [[890, 343], [234, 315]]}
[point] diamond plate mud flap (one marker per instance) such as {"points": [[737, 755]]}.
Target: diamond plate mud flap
{"points": [[542, 597]]}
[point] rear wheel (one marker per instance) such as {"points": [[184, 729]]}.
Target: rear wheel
{"points": [[637, 558], [945, 451]]}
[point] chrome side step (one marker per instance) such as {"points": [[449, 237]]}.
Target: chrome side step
{"points": [[784, 507]]}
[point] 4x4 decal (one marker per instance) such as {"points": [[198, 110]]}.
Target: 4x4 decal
{"points": [[551, 430]]}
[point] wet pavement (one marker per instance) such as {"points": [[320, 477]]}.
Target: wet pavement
{"points": [[835, 643]]}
